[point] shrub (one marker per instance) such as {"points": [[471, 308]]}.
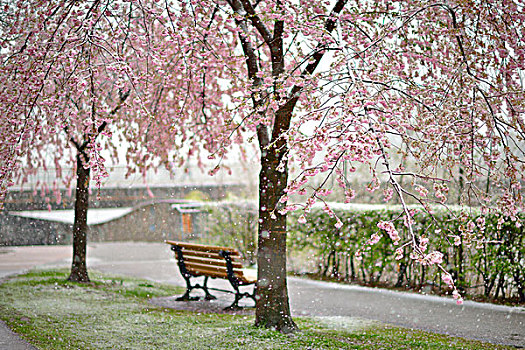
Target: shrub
{"points": [[233, 225], [495, 269]]}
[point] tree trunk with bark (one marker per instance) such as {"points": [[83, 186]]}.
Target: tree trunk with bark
{"points": [[272, 307], [79, 268]]}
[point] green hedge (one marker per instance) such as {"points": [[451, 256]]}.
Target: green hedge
{"points": [[232, 224], [495, 270], [492, 270]]}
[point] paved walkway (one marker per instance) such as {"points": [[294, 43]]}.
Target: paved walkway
{"points": [[492, 323], [14, 260]]}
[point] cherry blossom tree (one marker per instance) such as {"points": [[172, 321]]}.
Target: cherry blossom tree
{"points": [[333, 85], [329, 86], [67, 70]]}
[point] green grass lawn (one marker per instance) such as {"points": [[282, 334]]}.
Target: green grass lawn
{"points": [[114, 313]]}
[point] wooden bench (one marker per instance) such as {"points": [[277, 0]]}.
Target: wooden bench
{"points": [[199, 260]]}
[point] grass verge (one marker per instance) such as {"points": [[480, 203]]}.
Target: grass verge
{"points": [[114, 313]]}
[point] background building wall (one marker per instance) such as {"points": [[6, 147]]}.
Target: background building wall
{"points": [[153, 221], [116, 197], [15, 230]]}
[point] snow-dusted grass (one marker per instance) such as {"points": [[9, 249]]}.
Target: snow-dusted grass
{"points": [[113, 313]]}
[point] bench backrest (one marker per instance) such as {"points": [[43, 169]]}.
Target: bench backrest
{"points": [[205, 260]]}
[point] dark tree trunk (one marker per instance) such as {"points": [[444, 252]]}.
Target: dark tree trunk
{"points": [[272, 307], [335, 269], [352, 268], [78, 268], [460, 278], [331, 256], [401, 274]]}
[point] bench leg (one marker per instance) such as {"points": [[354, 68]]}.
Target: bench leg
{"points": [[239, 296], [208, 295], [186, 297], [189, 287], [235, 304]]}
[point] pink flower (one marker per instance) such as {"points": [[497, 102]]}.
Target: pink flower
{"points": [[423, 244], [283, 199], [457, 297], [358, 256], [423, 192], [375, 238], [388, 192], [388, 226], [481, 222], [302, 220], [349, 195], [435, 257], [323, 192], [318, 10], [447, 279], [214, 170]]}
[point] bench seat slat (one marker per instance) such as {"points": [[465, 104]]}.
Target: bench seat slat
{"points": [[203, 248], [214, 274], [204, 267], [205, 270], [211, 262], [219, 274], [214, 256]]}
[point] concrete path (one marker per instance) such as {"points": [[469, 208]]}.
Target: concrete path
{"points": [[11, 341], [154, 261], [14, 260], [486, 322]]}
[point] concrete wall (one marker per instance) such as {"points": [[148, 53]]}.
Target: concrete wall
{"points": [[153, 222], [116, 197], [15, 230], [150, 221]]}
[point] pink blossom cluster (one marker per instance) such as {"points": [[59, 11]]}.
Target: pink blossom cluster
{"points": [[373, 239], [399, 254], [447, 278], [433, 258], [390, 229]]}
